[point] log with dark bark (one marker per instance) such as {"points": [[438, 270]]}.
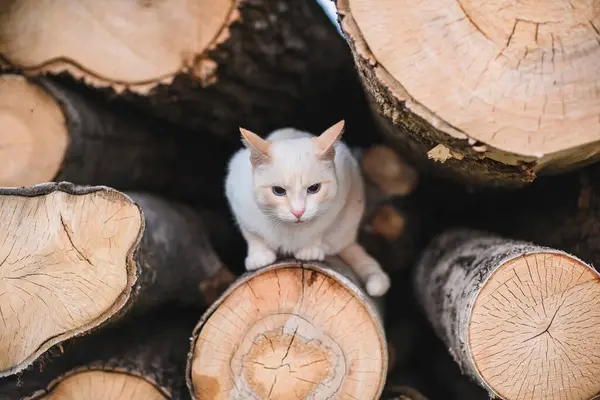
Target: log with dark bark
{"points": [[75, 258], [402, 393], [555, 211], [52, 133], [463, 102], [141, 359], [520, 319], [208, 65], [290, 330]]}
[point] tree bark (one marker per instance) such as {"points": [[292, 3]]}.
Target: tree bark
{"points": [[403, 393], [390, 230], [141, 359], [518, 318], [78, 257], [561, 211], [294, 330], [467, 109], [210, 66], [83, 141]]}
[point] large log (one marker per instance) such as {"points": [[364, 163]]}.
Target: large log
{"points": [[52, 133], [141, 359], [291, 331], [74, 258], [208, 65], [520, 319], [486, 89]]}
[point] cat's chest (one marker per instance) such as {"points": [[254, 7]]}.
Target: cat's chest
{"points": [[293, 238]]}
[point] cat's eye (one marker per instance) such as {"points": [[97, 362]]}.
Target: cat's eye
{"points": [[314, 188], [278, 191]]}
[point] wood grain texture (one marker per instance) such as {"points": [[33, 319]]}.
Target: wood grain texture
{"points": [[142, 358], [209, 66], [77, 257], [466, 108], [518, 318], [290, 331], [71, 136]]}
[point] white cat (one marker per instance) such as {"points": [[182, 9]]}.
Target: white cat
{"points": [[297, 194]]}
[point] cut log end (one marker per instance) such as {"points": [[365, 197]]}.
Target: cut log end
{"points": [[53, 237], [34, 136], [479, 53], [159, 31], [102, 385], [534, 326], [391, 175], [289, 331]]}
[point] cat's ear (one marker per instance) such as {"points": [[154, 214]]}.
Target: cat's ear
{"points": [[259, 147], [325, 143]]}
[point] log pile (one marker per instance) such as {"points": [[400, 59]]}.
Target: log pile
{"points": [[476, 129]]}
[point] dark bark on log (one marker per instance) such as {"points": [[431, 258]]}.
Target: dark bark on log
{"points": [[391, 226], [108, 146], [402, 393], [471, 140], [561, 212], [422, 359], [302, 312], [103, 256], [153, 347], [476, 289], [270, 65]]}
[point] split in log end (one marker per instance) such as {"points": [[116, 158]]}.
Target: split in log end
{"points": [[34, 136], [451, 102], [52, 234], [533, 330], [289, 331], [99, 385]]}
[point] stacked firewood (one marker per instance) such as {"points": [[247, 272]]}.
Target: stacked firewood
{"points": [[121, 272]]}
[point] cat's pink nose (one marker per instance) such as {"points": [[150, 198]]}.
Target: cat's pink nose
{"points": [[298, 213]]}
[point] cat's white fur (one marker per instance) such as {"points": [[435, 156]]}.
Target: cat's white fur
{"points": [[292, 159]]}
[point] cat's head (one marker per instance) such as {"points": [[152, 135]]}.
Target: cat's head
{"points": [[294, 179]]}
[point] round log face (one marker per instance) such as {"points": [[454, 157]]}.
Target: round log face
{"points": [[65, 267], [290, 333], [521, 77], [134, 43], [33, 134], [533, 330], [103, 385]]}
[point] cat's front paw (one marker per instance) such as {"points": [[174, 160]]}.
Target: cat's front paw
{"points": [[258, 259], [378, 284], [311, 253]]}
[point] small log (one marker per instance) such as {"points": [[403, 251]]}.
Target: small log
{"points": [[53, 133], [141, 359], [462, 102], [290, 331], [390, 229], [402, 393], [208, 65], [76, 257], [519, 319]]}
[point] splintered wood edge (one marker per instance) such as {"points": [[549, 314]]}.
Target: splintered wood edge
{"points": [[550, 155], [210, 388], [86, 48], [75, 258], [97, 383], [533, 328], [33, 133]]}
